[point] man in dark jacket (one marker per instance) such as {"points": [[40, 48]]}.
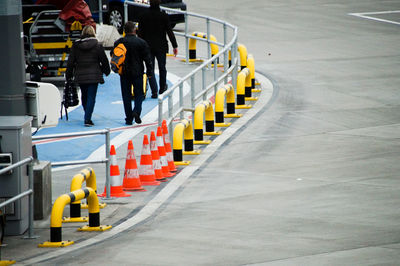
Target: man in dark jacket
{"points": [[154, 25], [86, 65], [137, 52]]}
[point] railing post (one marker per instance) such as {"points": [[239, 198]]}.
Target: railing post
{"points": [[208, 40], [107, 149], [192, 91], [170, 105], [226, 64], [31, 203], [160, 111], [235, 63], [203, 83], [215, 77], [100, 12], [187, 37], [181, 99]]}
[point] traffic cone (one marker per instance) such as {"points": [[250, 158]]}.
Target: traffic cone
{"points": [[131, 180], [168, 148], [115, 178], [163, 155], [156, 158], [146, 171]]}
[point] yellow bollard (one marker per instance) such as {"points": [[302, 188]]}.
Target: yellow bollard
{"points": [[192, 46], [58, 209], [250, 82], [183, 130], [207, 108], [242, 79], [243, 56]]}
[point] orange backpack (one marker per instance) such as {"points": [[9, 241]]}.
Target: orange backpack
{"points": [[118, 58]]}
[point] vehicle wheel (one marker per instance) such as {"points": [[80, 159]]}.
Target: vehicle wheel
{"points": [[116, 17], [35, 73]]}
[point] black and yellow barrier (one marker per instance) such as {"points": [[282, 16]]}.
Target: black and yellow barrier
{"points": [[252, 88], [192, 45], [183, 130], [206, 108], [243, 56], [57, 212], [228, 92], [89, 176], [243, 81]]}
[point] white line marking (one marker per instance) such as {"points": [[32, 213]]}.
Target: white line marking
{"points": [[151, 207], [364, 15]]}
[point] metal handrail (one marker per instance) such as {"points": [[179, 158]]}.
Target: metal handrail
{"points": [[28, 192], [232, 45], [105, 131]]}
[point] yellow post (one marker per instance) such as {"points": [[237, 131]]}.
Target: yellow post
{"points": [[243, 56], [240, 89], [230, 102], [207, 108], [227, 91], [58, 209], [250, 81], [192, 45]]}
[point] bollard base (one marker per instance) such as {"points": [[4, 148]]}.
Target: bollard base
{"points": [[202, 142], [100, 228], [215, 133], [101, 205], [182, 163], [194, 152], [222, 124], [243, 106], [7, 262], [75, 219], [255, 90], [61, 244], [251, 98], [233, 115]]}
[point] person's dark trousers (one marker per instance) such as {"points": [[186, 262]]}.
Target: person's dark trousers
{"points": [[161, 60], [88, 98], [126, 85]]}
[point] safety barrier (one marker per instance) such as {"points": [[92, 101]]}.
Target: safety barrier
{"points": [[183, 130], [228, 92], [206, 108], [193, 41], [57, 212], [243, 81], [105, 132], [75, 207], [243, 56], [250, 82]]}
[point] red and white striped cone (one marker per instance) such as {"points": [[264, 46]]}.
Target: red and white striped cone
{"points": [[156, 158], [168, 148], [163, 155], [115, 178], [146, 171], [131, 180]]}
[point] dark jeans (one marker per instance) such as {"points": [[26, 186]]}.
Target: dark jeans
{"points": [[126, 88], [161, 60], [88, 98]]}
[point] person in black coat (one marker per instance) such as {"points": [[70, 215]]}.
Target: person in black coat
{"points": [[154, 25], [137, 52], [87, 62]]}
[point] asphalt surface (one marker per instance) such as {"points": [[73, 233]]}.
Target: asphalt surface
{"points": [[310, 177]]}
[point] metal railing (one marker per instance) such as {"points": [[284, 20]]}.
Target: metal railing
{"points": [[105, 132], [191, 77], [28, 192]]}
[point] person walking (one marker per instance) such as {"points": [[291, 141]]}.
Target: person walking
{"points": [[87, 62], [154, 25], [137, 52]]}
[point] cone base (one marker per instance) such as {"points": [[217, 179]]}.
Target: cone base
{"points": [[150, 183], [135, 189], [115, 192], [132, 184]]}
